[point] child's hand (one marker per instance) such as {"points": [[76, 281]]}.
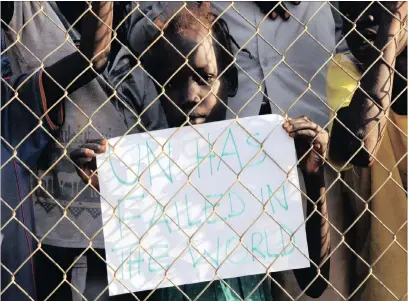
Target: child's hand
{"points": [[280, 10], [306, 133], [85, 158]]}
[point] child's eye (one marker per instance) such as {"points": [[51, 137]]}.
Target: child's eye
{"points": [[210, 79], [206, 80]]}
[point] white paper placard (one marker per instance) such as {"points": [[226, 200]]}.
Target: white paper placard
{"points": [[187, 185]]}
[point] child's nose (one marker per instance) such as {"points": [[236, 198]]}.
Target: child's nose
{"points": [[192, 92]]}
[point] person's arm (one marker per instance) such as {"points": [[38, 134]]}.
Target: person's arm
{"points": [[37, 92], [318, 237], [73, 71], [365, 117], [307, 133]]}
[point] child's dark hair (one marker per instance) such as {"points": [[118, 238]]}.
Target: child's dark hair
{"points": [[200, 15], [221, 32]]}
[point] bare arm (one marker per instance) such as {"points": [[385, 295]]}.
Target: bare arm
{"points": [[306, 133], [365, 116], [318, 238], [95, 45]]}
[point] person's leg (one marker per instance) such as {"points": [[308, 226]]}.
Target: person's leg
{"points": [[49, 277], [96, 277]]}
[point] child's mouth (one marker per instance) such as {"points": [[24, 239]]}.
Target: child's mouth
{"points": [[196, 118]]}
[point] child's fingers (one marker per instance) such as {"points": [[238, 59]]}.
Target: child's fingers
{"points": [[82, 153], [82, 156], [96, 147], [273, 15], [282, 12], [293, 126], [290, 121], [100, 141], [307, 133], [81, 161], [299, 119]]}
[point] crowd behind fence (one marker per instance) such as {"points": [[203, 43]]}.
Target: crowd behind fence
{"points": [[75, 75]]}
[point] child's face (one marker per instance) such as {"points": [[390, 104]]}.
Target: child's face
{"points": [[194, 88], [367, 25]]}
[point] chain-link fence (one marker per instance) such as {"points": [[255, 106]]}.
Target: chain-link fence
{"points": [[341, 64]]}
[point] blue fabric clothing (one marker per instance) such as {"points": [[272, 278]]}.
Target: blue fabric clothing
{"points": [[22, 136]]}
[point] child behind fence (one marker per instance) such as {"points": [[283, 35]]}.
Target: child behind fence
{"points": [[374, 115], [193, 89], [32, 111]]}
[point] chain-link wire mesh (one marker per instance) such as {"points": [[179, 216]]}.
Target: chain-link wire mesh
{"points": [[352, 193]]}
